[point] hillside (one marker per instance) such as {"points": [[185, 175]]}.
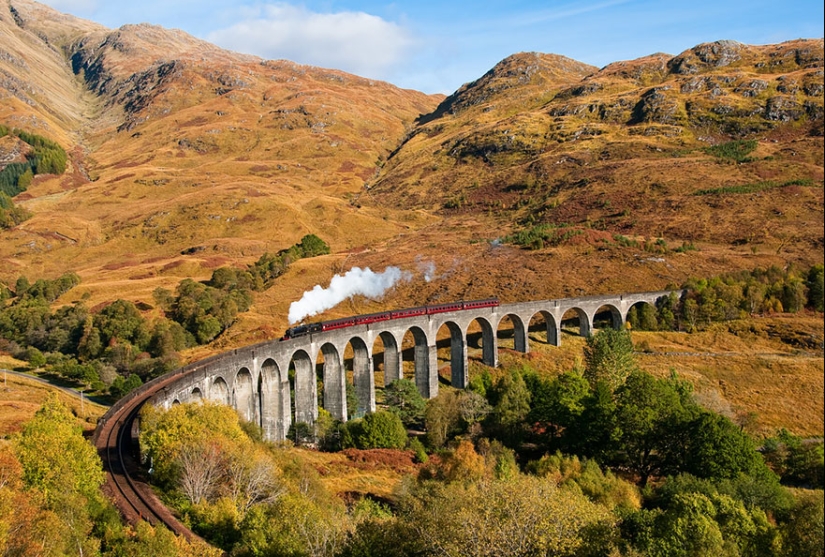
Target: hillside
{"points": [[185, 157], [625, 156], [179, 146]]}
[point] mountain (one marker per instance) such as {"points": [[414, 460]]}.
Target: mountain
{"points": [[185, 157]]}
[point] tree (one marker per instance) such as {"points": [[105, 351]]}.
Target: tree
{"points": [[647, 318], [688, 529], [402, 397], [464, 464], [311, 246], [54, 454], [803, 533], [594, 433], [121, 322], [650, 412], [559, 402], [513, 400], [167, 338], [442, 417], [65, 470], [609, 357], [794, 294], [201, 466], [120, 387], [251, 478], [472, 407], [717, 448], [816, 287], [164, 434], [35, 357], [518, 517], [21, 286], [295, 525]]}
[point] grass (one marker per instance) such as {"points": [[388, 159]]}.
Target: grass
{"points": [[755, 187], [375, 472], [21, 397]]}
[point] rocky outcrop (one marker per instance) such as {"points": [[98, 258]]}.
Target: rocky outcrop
{"points": [[545, 71]]}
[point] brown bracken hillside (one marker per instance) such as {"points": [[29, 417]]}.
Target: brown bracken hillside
{"points": [[186, 157]]}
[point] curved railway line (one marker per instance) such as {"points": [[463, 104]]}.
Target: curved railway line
{"points": [[114, 442]]}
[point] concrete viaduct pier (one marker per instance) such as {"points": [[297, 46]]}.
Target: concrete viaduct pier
{"points": [[274, 383]]}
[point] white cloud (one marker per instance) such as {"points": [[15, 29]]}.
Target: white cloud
{"points": [[355, 42]]}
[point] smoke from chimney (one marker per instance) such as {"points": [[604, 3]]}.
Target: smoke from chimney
{"points": [[355, 281]]}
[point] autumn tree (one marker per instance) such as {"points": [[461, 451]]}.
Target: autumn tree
{"points": [[519, 517], [201, 467], [442, 417], [251, 477], [181, 434], [60, 465]]}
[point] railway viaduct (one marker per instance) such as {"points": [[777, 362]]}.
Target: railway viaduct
{"points": [[257, 380]]}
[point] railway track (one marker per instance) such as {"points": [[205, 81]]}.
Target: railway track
{"points": [[114, 442]]}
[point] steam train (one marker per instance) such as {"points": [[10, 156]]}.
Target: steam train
{"points": [[310, 328]]}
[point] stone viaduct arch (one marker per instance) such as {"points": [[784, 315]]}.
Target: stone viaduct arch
{"points": [[275, 383]]}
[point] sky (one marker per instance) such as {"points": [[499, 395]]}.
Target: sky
{"points": [[435, 46]]}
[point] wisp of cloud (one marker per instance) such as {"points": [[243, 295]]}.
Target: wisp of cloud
{"points": [[354, 282]]}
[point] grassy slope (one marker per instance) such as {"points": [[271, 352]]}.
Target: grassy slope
{"points": [[21, 397]]}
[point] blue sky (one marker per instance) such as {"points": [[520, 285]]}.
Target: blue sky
{"points": [[436, 46]]}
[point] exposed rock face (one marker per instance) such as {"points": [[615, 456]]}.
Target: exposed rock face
{"points": [[708, 56], [13, 149], [656, 106]]}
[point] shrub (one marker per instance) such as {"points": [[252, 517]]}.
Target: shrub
{"points": [[737, 150], [35, 357], [379, 430], [417, 447], [312, 246]]}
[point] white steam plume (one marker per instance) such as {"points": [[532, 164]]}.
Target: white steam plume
{"points": [[355, 281], [427, 268]]}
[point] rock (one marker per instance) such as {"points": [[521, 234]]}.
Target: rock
{"points": [[707, 56], [751, 88], [782, 109], [655, 106]]}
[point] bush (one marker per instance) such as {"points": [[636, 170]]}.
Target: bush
{"points": [[121, 387], [417, 447], [35, 357], [312, 246], [737, 150], [379, 430]]}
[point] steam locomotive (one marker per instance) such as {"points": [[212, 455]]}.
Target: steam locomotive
{"points": [[310, 328]]}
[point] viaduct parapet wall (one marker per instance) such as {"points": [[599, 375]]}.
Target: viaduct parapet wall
{"points": [[255, 380]]}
